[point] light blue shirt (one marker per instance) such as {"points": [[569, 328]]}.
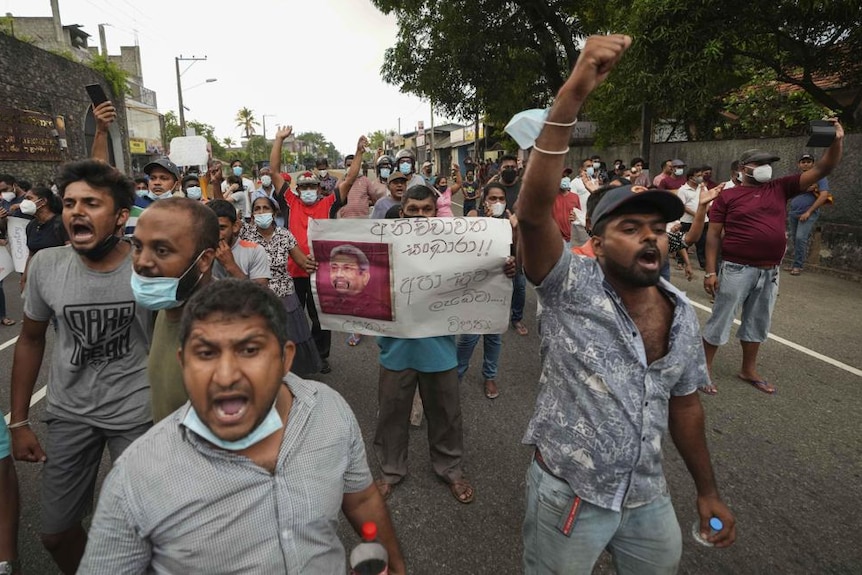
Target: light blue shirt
{"points": [[602, 410], [5, 441]]}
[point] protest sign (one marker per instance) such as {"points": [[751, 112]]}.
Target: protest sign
{"points": [[16, 232], [189, 151], [414, 277], [6, 265]]}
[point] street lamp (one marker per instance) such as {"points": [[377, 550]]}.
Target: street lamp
{"points": [[177, 60]]}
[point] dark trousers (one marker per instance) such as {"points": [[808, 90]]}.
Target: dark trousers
{"points": [[441, 401], [322, 337], [700, 245]]}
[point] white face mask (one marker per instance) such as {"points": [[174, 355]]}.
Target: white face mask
{"points": [[266, 181], [28, 207], [322, 174], [497, 209], [194, 192], [8, 196], [762, 173], [678, 172]]}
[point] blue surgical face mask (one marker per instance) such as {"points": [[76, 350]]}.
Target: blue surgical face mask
{"points": [[566, 184], [263, 221], [160, 293], [164, 196], [270, 424], [405, 168], [384, 173], [308, 196], [142, 193], [591, 171], [193, 192], [237, 171], [525, 127]]}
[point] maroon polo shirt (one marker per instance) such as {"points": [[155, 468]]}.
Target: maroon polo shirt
{"points": [[672, 182], [754, 219]]}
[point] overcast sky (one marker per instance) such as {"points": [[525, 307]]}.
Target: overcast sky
{"points": [[314, 64]]}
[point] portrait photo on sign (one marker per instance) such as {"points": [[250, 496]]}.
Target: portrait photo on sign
{"points": [[354, 278]]}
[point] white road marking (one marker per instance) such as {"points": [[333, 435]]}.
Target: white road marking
{"points": [[796, 346], [37, 397], [6, 344]]}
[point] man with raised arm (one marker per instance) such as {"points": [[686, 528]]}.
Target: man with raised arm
{"points": [[620, 366]]}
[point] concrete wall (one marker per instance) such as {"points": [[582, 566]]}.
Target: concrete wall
{"points": [[837, 242], [34, 79]]}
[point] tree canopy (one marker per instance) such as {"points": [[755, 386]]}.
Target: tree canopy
{"points": [[694, 63]]}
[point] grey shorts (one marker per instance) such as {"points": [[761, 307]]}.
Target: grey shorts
{"points": [[74, 451], [740, 286]]}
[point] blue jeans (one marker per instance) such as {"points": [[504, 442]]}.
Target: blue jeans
{"points": [[643, 540], [665, 269], [519, 295], [800, 232], [467, 343]]}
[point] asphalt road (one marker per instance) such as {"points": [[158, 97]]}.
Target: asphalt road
{"points": [[789, 465]]}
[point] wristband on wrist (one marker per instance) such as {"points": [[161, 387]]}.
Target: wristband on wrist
{"points": [[24, 423], [708, 275]]}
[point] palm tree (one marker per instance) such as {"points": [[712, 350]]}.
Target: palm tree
{"points": [[228, 142], [245, 120]]}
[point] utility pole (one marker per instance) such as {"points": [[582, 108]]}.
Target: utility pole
{"points": [[432, 134], [179, 59], [103, 42]]}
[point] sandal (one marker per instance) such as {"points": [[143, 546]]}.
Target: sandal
{"points": [[760, 385], [795, 271], [491, 391], [520, 327], [708, 389], [385, 488], [462, 491], [7, 321], [354, 339]]}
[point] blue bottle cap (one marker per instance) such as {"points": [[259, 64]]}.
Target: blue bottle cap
{"points": [[715, 524]]}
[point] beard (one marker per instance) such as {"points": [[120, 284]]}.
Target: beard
{"points": [[634, 274]]}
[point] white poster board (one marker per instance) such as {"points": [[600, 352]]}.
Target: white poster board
{"points": [[420, 277], [16, 233], [189, 151], [6, 264]]}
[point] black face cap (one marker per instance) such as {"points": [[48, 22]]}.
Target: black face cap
{"points": [[667, 203], [757, 157]]}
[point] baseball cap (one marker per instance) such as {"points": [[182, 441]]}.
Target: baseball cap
{"points": [[426, 165], [668, 203], [677, 163], [755, 156], [396, 176], [165, 163], [805, 157]]}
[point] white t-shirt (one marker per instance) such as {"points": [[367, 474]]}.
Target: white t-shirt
{"points": [[691, 199], [241, 200], [583, 193]]}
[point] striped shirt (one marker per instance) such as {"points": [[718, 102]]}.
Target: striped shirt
{"points": [[174, 503]]}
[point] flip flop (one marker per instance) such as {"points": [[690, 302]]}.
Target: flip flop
{"points": [[708, 389], [354, 339], [759, 384], [7, 321], [462, 491], [491, 391]]}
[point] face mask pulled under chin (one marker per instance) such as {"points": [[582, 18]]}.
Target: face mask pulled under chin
{"points": [[101, 250], [164, 293], [270, 424]]}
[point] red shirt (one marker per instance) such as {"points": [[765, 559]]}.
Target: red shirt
{"points": [[298, 224], [754, 218], [672, 182], [563, 206]]}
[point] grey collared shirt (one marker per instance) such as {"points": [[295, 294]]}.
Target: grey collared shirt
{"points": [[173, 503], [601, 410]]}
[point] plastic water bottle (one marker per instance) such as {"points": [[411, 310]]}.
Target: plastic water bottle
{"points": [[369, 557], [715, 525]]}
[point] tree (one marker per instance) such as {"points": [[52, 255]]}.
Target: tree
{"points": [[228, 142], [172, 127], [495, 56], [245, 120], [314, 146]]}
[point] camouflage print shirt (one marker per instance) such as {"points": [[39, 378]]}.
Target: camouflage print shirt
{"points": [[601, 410]]}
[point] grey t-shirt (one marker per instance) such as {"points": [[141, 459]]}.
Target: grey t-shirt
{"points": [[99, 369], [251, 259]]}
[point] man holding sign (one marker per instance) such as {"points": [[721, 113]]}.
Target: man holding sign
{"points": [[621, 366], [431, 363]]}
